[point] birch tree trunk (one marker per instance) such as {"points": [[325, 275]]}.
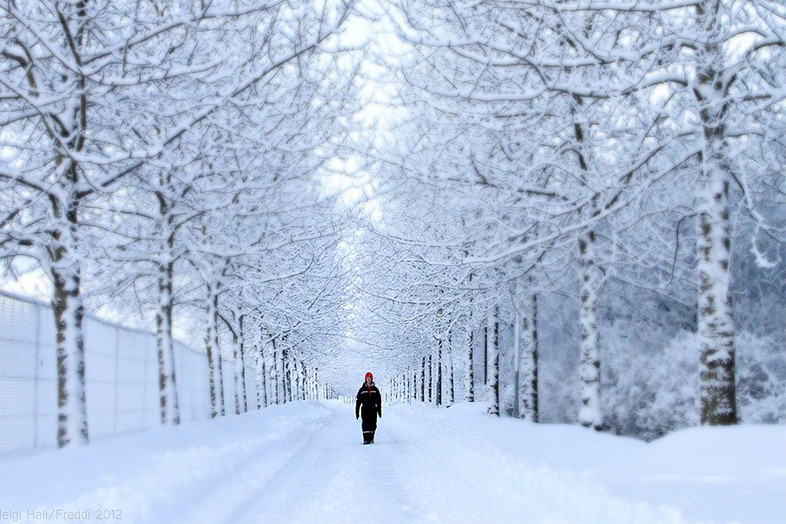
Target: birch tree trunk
{"points": [[451, 386], [301, 383], [590, 415], [167, 385], [423, 380], [261, 378], [493, 362], [486, 353], [211, 342], [295, 379], [439, 373], [715, 319], [241, 405], [470, 373], [220, 377], [69, 313], [470, 378], [410, 386], [430, 380], [286, 363], [528, 362], [276, 375]]}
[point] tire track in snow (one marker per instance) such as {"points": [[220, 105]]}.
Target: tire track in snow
{"points": [[223, 495], [197, 483]]}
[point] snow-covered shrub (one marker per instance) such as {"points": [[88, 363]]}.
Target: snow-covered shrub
{"points": [[651, 380], [649, 356], [649, 388], [761, 379]]}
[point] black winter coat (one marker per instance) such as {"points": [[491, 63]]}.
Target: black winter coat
{"points": [[368, 405]]}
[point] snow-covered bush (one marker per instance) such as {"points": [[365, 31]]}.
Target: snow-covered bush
{"points": [[651, 383], [649, 388], [761, 379]]}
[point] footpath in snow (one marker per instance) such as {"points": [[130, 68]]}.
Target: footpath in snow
{"points": [[303, 462]]}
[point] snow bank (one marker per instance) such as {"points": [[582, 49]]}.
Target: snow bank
{"points": [[154, 475]]}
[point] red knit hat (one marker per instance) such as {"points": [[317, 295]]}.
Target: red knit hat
{"points": [[369, 374]]}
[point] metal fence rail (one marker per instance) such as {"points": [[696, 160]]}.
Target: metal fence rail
{"points": [[121, 377]]}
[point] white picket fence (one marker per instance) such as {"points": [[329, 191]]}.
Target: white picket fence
{"points": [[121, 367]]}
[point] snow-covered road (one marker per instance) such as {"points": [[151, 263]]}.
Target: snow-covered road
{"points": [[336, 479], [303, 462]]}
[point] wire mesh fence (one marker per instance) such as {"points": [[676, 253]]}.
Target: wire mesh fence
{"points": [[121, 377]]}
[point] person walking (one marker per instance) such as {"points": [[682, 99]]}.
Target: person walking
{"points": [[369, 405]]}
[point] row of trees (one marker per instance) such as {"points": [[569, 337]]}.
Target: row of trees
{"points": [[161, 155], [176, 160], [592, 149]]}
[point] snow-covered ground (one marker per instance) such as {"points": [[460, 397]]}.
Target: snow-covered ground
{"points": [[303, 462]]}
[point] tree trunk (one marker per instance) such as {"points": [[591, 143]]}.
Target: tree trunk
{"points": [[261, 377], [590, 415], [715, 319], [167, 385], [439, 372], [410, 386], [213, 357], [241, 405], [69, 313], [220, 377], [423, 381], [303, 383], [470, 395], [294, 374], [528, 362], [286, 363], [470, 376], [300, 382], [451, 387], [486, 354], [430, 381], [276, 373], [493, 364]]}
